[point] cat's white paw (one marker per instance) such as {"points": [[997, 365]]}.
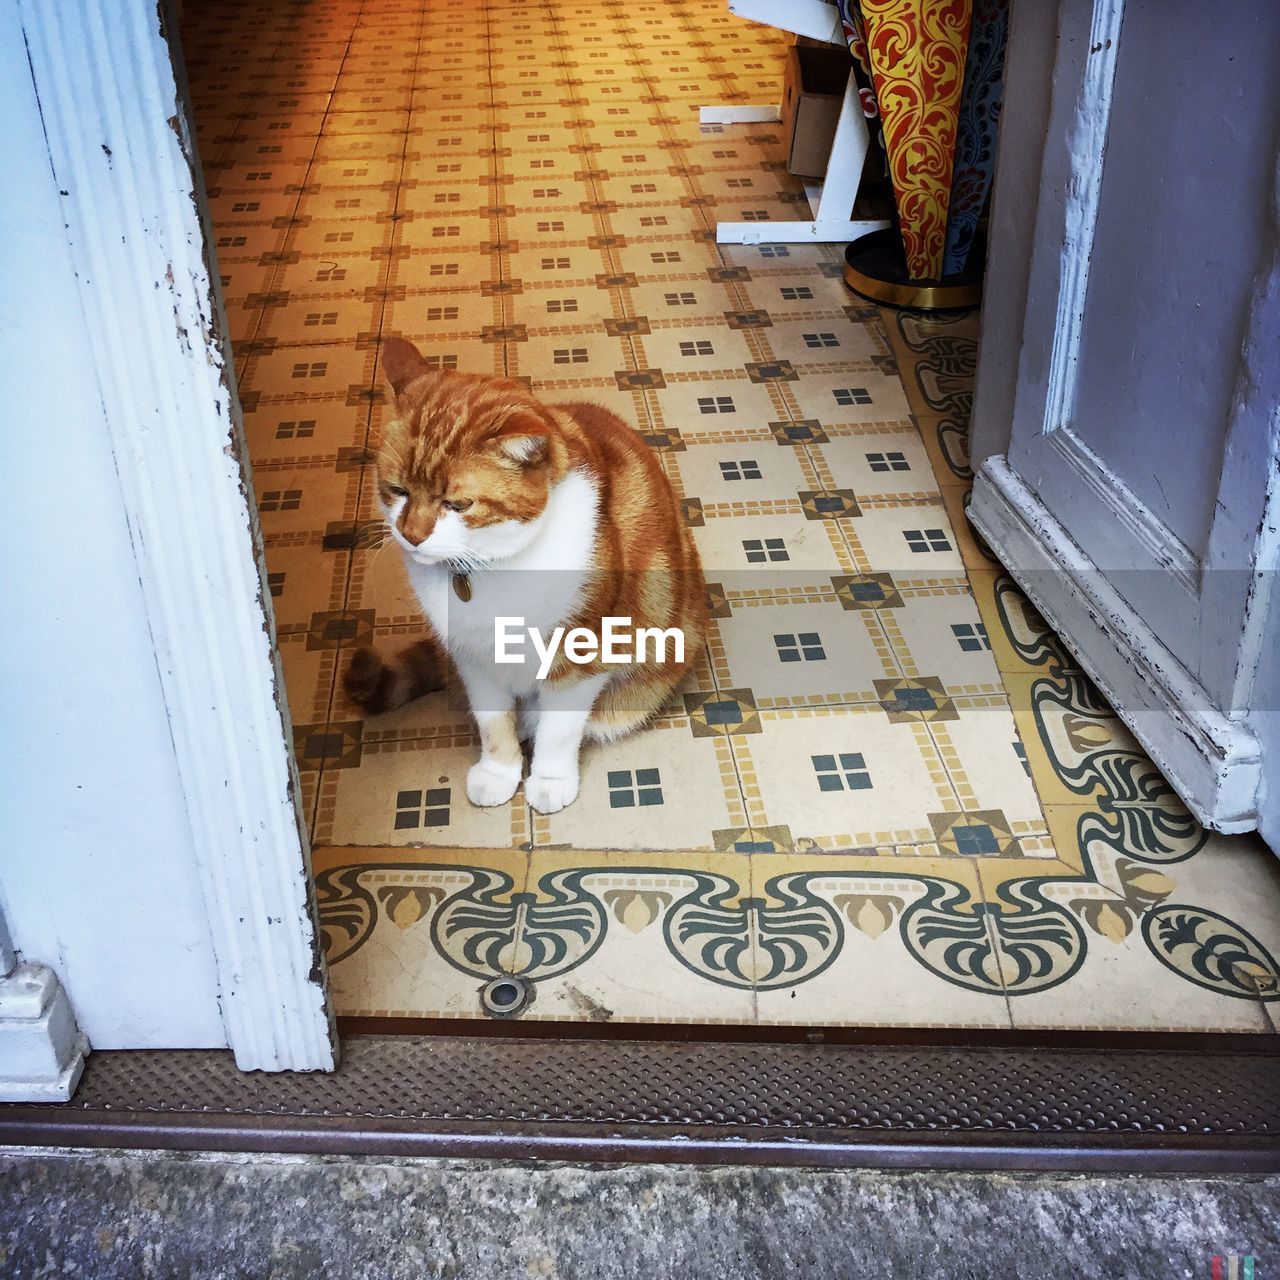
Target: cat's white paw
{"points": [[489, 784], [550, 795]]}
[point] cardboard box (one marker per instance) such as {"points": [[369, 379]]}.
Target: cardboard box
{"points": [[812, 91]]}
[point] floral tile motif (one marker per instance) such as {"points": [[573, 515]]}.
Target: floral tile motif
{"points": [[888, 796], [409, 935]]}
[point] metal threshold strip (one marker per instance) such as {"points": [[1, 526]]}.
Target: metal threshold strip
{"points": [[1169, 1105]]}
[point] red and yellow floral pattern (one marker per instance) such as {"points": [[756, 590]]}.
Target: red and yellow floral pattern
{"points": [[917, 52]]}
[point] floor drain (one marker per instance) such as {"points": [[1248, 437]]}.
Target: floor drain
{"points": [[504, 997]]}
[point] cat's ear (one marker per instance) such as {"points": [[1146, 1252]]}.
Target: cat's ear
{"points": [[523, 438], [524, 451], [402, 362]]}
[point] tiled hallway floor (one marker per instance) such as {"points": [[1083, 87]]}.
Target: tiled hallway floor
{"points": [[887, 797]]}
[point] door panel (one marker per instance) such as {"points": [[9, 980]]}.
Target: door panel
{"points": [[1174, 262], [1141, 288], [1132, 500]]}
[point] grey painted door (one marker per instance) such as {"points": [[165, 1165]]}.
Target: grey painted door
{"points": [[1136, 492]]}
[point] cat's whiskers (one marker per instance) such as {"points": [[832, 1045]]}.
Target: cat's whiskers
{"points": [[384, 541], [468, 562], [394, 454]]}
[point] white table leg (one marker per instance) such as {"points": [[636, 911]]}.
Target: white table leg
{"points": [[831, 222], [739, 115], [817, 19], [844, 166]]}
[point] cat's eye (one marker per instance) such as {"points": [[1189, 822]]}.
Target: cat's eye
{"points": [[456, 504], [396, 491]]}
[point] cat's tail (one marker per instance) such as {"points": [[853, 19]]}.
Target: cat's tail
{"points": [[383, 684], [629, 704]]}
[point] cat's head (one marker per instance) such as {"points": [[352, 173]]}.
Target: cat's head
{"points": [[466, 463]]}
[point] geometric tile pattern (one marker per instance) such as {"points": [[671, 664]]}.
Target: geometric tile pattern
{"points": [[499, 193], [886, 796]]}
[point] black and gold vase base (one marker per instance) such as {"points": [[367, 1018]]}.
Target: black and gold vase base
{"points": [[876, 269]]}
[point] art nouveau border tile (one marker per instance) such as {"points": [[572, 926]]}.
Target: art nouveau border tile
{"points": [[1159, 954], [652, 922], [416, 935]]}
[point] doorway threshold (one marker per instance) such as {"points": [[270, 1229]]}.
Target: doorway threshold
{"points": [[1110, 1103]]}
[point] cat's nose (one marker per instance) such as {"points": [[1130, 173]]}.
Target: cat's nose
{"points": [[416, 526]]}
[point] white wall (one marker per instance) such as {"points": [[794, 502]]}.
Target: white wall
{"points": [[97, 877]]}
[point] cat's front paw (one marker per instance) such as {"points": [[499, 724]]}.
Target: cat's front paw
{"points": [[550, 795], [489, 783]]}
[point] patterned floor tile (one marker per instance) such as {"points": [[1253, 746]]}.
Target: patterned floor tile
{"points": [[790, 651], [875, 932], [979, 750], [630, 934], [663, 779], [912, 538], [282, 435], [877, 461], [842, 777], [939, 626], [374, 783], [1146, 947], [412, 934], [768, 541]]}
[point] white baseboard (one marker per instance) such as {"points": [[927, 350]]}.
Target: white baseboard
{"points": [[1213, 762]]}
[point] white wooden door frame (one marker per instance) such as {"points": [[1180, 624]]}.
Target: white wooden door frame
{"points": [[1197, 735], [121, 149]]}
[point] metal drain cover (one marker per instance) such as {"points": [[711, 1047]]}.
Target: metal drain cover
{"points": [[504, 997]]}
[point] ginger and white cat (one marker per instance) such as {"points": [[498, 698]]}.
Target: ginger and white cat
{"points": [[559, 515]]}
